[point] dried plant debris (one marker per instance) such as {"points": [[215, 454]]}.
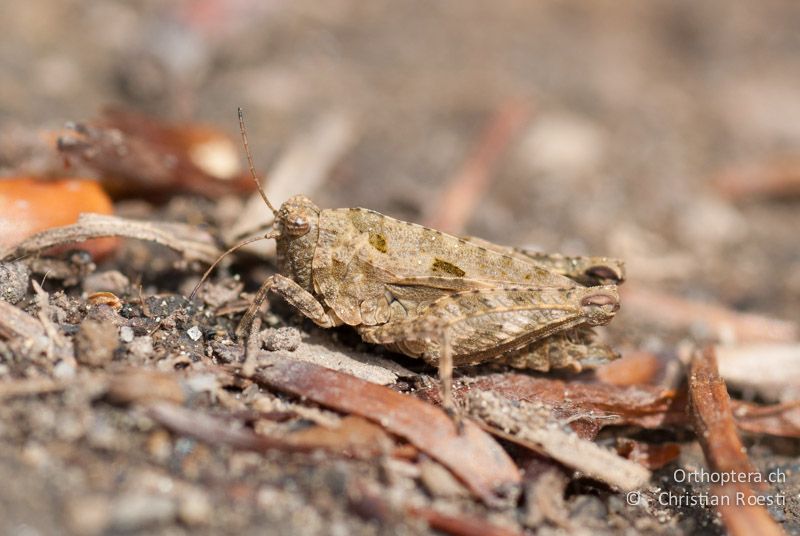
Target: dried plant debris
{"points": [[370, 503], [29, 205], [633, 368], [532, 424], [782, 420], [777, 179], [461, 194], [25, 334], [586, 407], [770, 370], [135, 154], [716, 430], [650, 455], [192, 242], [472, 455], [709, 320]]}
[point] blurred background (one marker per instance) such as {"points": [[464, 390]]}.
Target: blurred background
{"points": [[664, 133]]}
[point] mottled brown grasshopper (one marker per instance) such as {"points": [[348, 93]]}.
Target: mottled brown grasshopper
{"points": [[451, 301]]}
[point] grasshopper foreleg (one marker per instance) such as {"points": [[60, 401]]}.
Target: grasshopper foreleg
{"points": [[297, 296]]}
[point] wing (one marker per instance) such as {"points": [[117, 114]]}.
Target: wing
{"points": [[360, 251], [589, 271]]}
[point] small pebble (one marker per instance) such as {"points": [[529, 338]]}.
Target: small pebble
{"points": [[136, 510], [63, 370], [126, 334], [194, 508], [287, 339], [194, 333], [14, 278], [95, 342]]}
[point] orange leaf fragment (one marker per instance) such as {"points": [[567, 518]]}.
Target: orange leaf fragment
{"points": [[29, 205]]}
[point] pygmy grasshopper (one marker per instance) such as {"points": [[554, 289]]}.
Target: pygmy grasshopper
{"points": [[451, 301]]}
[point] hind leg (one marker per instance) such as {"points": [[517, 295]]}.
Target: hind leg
{"points": [[574, 349], [398, 334]]}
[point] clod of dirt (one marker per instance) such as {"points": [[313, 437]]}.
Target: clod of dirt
{"points": [[96, 342], [286, 339], [14, 278], [111, 281]]}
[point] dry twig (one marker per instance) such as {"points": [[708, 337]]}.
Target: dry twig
{"points": [[674, 312], [193, 243], [463, 191], [716, 430], [768, 180]]}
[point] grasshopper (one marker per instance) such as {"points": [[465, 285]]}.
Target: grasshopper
{"points": [[449, 300]]}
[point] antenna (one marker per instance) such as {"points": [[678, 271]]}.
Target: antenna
{"points": [[243, 130], [216, 262]]}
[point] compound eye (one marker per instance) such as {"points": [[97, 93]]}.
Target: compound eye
{"points": [[604, 273], [297, 225]]}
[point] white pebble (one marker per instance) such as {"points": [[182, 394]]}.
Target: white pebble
{"points": [[194, 333], [126, 334]]}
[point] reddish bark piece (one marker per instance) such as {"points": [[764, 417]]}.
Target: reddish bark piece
{"points": [[460, 525], [29, 205], [651, 455], [467, 187], [136, 154], [634, 368], [777, 179], [473, 456], [370, 504], [779, 420], [716, 431], [589, 407], [355, 437], [213, 430], [739, 517], [674, 312]]}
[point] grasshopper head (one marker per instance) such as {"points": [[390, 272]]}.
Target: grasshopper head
{"points": [[296, 217], [600, 304], [297, 226]]}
